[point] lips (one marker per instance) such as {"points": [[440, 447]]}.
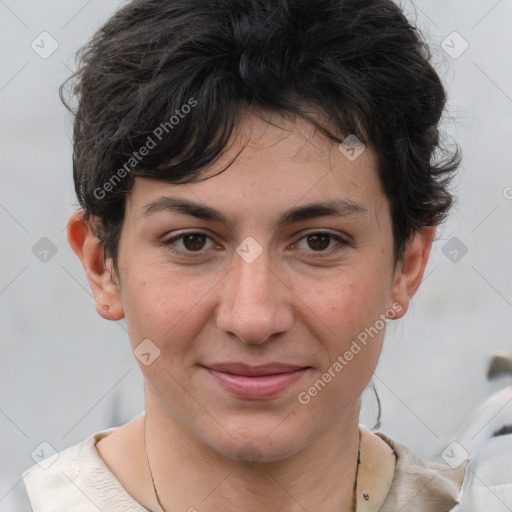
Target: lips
{"points": [[254, 371], [256, 382]]}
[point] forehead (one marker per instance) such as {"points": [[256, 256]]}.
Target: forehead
{"points": [[271, 165]]}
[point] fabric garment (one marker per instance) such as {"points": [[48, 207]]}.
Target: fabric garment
{"points": [[77, 480], [487, 482]]}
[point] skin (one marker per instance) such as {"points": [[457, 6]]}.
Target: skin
{"points": [[283, 306]]}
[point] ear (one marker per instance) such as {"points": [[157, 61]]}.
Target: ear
{"points": [[102, 280], [410, 270]]}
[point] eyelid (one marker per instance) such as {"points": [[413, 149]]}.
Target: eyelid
{"points": [[342, 238], [313, 231], [181, 234]]}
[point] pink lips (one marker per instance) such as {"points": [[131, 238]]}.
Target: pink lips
{"points": [[256, 382]]}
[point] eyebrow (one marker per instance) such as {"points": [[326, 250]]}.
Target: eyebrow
{"points": [[338, 207]]}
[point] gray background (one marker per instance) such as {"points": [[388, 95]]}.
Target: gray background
{"points": [[66, 373]]}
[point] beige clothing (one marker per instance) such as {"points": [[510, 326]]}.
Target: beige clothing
{"points": [[77, 480]]}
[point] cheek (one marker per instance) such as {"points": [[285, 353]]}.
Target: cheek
{"points": [[346, 315], [170, 306], [345, 302], [161, 303]]}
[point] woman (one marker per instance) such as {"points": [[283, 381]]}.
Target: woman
{"points": [[258, 200]]}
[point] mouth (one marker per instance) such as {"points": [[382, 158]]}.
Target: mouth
{"points": [[256, 382]]}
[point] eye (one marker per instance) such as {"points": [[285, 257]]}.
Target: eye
{"points": [[318, 241], [193, 242]]}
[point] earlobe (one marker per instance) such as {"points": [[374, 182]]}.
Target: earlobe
{"points": [[409, 273], [86, 245]]}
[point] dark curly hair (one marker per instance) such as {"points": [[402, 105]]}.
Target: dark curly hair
{"points": [[163, 84]]}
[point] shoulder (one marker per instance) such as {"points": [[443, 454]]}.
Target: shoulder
{"points": [[77, 479], [487, 481], [421, 485]]}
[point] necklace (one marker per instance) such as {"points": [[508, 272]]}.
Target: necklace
{"points": [[354, 505]]}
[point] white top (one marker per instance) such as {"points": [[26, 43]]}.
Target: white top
{"points": [[77, 480]]}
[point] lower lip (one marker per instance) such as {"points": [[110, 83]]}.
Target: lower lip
{"points": [[262, 387]]}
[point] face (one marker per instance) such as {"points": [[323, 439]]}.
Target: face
{"points": [[303, 297]]}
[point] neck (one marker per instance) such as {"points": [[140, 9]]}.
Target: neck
{"points": [[189, 475]]}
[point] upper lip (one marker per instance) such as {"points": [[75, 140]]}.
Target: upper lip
{"points": [[252, 371]]}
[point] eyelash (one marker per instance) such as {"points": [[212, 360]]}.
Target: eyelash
{"points": [[194, 254]]}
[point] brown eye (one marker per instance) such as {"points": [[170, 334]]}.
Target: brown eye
{"points": [[194, 241], [189, 244], [319, 242]]}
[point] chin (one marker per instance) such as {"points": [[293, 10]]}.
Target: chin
{"points": [[253, 443]]}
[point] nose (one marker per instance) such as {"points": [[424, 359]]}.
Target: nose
{"points": [[255, 304]]}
